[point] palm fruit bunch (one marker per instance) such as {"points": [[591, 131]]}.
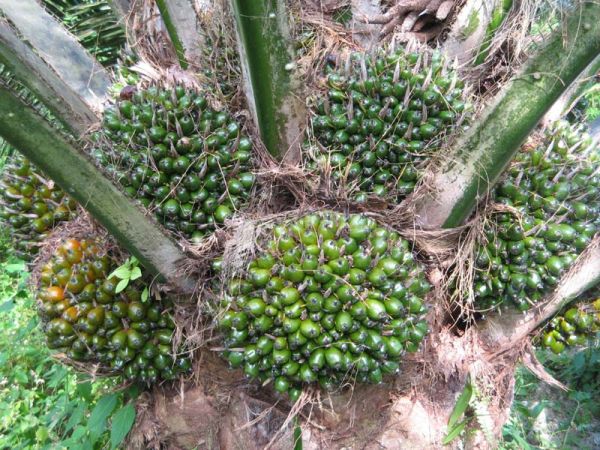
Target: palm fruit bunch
{"points": [[31, 205], [573, 327], [383, 117], [550, 205], [86, 317], [331, 298], [184, 160], [222, 63], [122, 72]]}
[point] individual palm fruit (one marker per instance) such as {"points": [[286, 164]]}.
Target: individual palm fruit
{"points": [[184, 160], [574, 326], [331, 298], [86, 317], [383, 117], [31, 205], [550, 211]]}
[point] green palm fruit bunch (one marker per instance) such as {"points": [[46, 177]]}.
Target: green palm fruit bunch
{"points": [[383, 117], [184, 160], [553, 191], [574, 327], [86, 317], [331, 298], [222, 67], [31, 205]]}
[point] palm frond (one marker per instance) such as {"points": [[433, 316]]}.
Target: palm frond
{"points": [[94, 24]]}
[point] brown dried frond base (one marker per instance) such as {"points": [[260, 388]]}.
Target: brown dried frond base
{"points": [[219, 409], [92, 369], [319, 37], [148, 35], [422, 20]]}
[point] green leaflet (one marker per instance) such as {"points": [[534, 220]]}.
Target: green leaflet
{"points": [[94, 25], [122, 422], [461, 404], [100, 413], [297, 434], [454, 432]]}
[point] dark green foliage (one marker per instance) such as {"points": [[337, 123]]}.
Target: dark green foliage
{"points": [[94, 25], [543, 417], [548, 212], [184, 160], [382, 119], [587, 108], [330, 299]]}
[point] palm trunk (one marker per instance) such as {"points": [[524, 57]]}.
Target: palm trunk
{"points": [[411, 411], [270, 81], [182, 24]]}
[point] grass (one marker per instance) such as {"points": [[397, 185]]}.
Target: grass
{"points": [[547, 418], [43, 404]]}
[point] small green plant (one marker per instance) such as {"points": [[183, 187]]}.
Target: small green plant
{"points": [[547, 418], [587, 105], [129, 271], [456, 427]]}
